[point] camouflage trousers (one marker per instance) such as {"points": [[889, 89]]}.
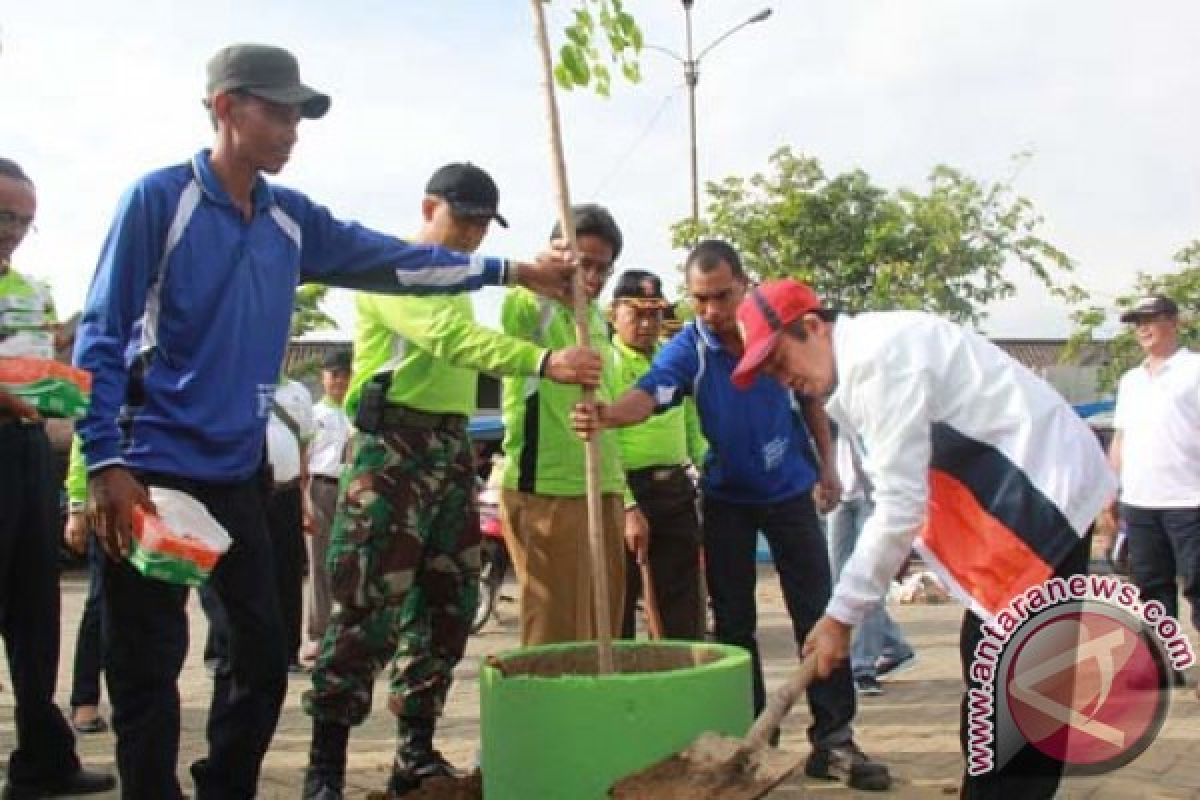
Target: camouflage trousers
{"points": [[404, 568]]}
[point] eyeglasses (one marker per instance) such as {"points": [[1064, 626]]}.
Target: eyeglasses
{"points": [[596, 266], [11, 220]]}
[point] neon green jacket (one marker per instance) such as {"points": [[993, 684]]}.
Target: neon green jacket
{"points": [[542, 453], [76, 483], [24, 303], [435, 349], [667, 439]]}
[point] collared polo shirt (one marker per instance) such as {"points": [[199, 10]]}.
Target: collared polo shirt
{"points": [[759, 448], [1159, 419], [198, 299]]}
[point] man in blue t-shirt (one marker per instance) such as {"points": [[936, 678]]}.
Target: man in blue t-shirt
{"points": [[759, 475]]}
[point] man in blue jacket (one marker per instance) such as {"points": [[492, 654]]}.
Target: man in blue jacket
{"points": [[759, 475], [184, 331]]}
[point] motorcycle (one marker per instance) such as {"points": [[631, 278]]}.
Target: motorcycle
{"points": [[494, 560]]}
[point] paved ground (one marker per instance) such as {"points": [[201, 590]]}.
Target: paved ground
{"points": [[913, 725]]}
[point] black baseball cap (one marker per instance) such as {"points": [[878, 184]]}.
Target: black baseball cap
{"points": [[1151, 306], [337, 360], [469, 190], [640, 285], [265, 71]]}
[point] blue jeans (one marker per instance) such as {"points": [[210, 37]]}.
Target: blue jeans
{"points": [[878, 633]]}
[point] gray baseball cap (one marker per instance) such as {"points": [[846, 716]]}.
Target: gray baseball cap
{"points": [[1151, 306], [271, 73]]}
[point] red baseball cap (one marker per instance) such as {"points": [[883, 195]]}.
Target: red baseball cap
{"points": [[764, 312]]}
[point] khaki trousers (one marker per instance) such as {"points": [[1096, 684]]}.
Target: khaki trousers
{"points": [[547, 538]]}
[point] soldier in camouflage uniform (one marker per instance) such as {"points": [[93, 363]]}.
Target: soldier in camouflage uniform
{"points": [[404, 551]]}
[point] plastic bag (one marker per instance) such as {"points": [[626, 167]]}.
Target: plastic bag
{"points": [[53, 388], [181, 544]]}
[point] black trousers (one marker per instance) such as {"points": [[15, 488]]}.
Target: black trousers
{"points": [[668, 499], [1165, 543], [89, 641], [146, 641], [285, 521], [30, 603], [801, 557], [1030, 774]]}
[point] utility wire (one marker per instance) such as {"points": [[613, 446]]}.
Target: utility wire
{"points": [[620, 163]]}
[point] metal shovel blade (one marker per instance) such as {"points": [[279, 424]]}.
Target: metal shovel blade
{"points": [[722, 768]]}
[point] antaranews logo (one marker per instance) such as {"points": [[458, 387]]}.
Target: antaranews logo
{"points": [[1078, 667]]}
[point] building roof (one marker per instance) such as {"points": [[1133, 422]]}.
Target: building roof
{"points": [[1039, 354]]}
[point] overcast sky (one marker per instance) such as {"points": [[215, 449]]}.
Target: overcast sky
{"points": [[1103, 93]]}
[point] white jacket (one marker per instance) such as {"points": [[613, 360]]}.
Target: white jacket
{"points": [[969, 453]]}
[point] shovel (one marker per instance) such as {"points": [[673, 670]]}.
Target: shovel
{"points": [[654, 624], [719, 767]]}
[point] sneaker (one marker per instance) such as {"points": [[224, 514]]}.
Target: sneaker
{"points": [[848, 763], [890, 667], [867, 685]]}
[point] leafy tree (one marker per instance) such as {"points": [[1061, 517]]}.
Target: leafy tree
{"points": [[948, 250], [597, 25], [1182, 286], [307, 314]]}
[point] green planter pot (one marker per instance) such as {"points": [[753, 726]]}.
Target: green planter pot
{"points": [[555, 730]]}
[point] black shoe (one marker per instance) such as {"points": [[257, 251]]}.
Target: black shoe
{"points": [[81, 782], [323, 785], [867, 685], [96, 724], [846, 762], [415, 765]]}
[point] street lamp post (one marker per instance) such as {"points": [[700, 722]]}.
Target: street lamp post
{"points": [[691, 76]]}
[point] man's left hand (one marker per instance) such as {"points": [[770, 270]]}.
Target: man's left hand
{"points": [[552, 274], [829, 643]]}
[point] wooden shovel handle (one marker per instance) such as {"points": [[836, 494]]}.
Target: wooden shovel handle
{"points": [[654, 624], [592, 455], [780, 703]]}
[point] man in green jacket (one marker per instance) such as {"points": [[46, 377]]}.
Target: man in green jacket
{"points": [[544, 501], [656, 455], [43, 762], [407, 519]]}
